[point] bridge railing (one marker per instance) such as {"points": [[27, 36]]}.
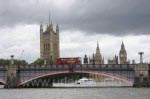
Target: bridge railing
{"points": [[79, 67], [3, 72]]}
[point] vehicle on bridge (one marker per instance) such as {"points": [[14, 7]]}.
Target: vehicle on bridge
{"points": [[68, 61]]}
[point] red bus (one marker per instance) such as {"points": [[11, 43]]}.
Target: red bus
{"points": [[68, 61]]}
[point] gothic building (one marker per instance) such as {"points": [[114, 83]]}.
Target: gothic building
{"points": [[49, 43], [123, 54], [97, 57]]}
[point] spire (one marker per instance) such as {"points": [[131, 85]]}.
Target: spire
{"points": [[41, 27], [51, 25], [122, 45], [41, 24], [97, 49], [49, 18], [57, 28]]}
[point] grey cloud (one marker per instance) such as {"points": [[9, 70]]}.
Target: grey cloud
{"points": [[115, 17]]}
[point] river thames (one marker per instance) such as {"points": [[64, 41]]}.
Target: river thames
{"points": [[76, 93]]}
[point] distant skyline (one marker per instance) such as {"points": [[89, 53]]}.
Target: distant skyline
{"points": [[82, 24]]}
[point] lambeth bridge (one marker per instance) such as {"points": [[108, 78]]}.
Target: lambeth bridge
{"points": [[13, 76]]}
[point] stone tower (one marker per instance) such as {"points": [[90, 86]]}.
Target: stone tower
{"points": [[123, 54], [49, 43], [98, 56]]}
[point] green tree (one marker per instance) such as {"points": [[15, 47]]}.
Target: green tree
{"points": [[16, 62], [41, 62], [38, 62]]}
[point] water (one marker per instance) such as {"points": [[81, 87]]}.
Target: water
{"points": [[76, 93]]}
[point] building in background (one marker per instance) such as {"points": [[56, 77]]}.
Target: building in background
{"points": [[85, 60], [49, 43], [113, 61], [123, 55], [97, 57]]}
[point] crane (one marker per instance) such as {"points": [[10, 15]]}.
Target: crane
{"points": [[21, 54]]}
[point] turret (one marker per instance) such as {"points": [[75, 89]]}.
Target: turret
{"points": [[103, 61], [93, 59], [47, 27], [85, 61], [116, 59]]}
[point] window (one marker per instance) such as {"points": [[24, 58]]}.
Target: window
{"points": [[46, 47]]}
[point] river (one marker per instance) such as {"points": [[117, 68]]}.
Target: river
{"points": [[76, 93]]}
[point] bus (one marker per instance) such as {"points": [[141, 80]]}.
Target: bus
{"points": [[68, 61]]}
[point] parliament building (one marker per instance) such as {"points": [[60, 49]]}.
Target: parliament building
{"points": [[49, 43]]}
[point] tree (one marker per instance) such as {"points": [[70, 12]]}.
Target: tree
{"points": [[41, 62], [16, 62], [38, 62]]}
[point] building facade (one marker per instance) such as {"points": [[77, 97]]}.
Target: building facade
{"points": [[49, 43], [113, 61]]}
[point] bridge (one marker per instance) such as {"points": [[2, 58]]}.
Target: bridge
{"points": [[13, 76]]}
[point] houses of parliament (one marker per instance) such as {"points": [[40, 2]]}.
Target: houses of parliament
{"points": [[97, 57], [50, 50], [49, 42]]}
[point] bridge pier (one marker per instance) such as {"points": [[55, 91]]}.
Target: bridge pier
{"points": [[12, 75], [142, 74], [142, 78]]}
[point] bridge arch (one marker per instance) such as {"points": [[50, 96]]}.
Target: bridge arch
{"points": [[2, 81], [129, 81]]}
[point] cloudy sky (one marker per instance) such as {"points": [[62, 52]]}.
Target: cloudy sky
{"points": [[82, 24]]}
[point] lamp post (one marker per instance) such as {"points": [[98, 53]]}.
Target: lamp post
{"points": [[12, 59], [141, 57]]}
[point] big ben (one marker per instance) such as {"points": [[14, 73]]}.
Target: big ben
{"points": [[123, 54]]}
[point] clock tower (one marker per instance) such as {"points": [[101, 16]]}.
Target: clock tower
{"points": [[123, 54]]}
